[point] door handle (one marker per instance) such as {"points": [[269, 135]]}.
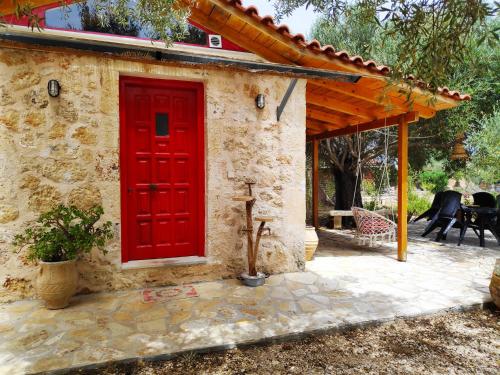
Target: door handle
{"points": [[153, 187]]}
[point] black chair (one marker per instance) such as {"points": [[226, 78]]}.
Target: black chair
{"points": [[484, 199], [436, 202], [446, 216]]}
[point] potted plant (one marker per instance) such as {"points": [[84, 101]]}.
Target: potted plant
{"points": [[56, 240]]}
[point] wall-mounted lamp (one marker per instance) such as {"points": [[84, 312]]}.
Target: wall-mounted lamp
{"points": [[54, 88], [260, 101]]}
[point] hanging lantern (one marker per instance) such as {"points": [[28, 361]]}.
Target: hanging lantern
{"points": [[459, 151]]}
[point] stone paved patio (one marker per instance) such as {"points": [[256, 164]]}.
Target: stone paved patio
{"points": [[345, 285]]}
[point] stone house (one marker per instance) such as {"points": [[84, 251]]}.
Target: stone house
{"points": [[163, 138]]}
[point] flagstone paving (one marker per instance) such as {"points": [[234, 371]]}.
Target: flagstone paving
{"points": [[344, 285]]}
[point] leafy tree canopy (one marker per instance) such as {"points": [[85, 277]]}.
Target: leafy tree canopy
{"points": [[476, 73], [429, 37], [485, 150]]}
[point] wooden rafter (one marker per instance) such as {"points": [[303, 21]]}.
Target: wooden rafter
{"points": [[380, 97], [327, 116], [238, 38], [339, 106], [250, 30], [390, 121], [275, 42], [317, 125]]}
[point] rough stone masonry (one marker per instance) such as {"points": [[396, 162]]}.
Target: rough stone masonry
{"points": [[66, 149]]}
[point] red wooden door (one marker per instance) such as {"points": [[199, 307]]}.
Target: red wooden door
{"points": [[162, 168]]}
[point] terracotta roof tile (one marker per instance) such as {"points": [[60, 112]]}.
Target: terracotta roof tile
{"points": [[329, 51]]}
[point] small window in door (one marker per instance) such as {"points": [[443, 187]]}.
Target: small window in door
{"points": [[162, 124]]}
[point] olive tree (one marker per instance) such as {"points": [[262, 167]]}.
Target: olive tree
{"points": [[430, 36]]}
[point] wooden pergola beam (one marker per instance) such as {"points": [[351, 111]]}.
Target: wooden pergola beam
{"points": [[248, 32], [316, 125], [390, 121], [332, 118], [358, 92], [381, 97], [237, 37], [338, 105]]}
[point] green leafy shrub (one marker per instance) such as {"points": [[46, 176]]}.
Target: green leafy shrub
{"points": [[64, 233], [433, 181], [372, 205], [369, 188], [417, 204]]}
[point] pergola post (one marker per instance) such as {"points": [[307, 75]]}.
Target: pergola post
{"points": [[315, 183], [402, 188]]}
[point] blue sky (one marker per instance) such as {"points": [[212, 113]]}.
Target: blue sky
{"points": [[300, 21]]}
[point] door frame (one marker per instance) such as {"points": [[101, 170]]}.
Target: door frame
{"points": [[198, 87]]}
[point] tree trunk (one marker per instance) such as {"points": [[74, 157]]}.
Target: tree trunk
{"points": [[345, 185]]}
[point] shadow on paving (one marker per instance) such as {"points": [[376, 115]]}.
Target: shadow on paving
{"points": [[345, 286]]}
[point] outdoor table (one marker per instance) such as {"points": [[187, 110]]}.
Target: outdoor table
{"points": [[483, 221]]}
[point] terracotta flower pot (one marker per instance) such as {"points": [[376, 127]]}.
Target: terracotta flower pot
{"points": [[311, 242], [56, 283], [495, 284]]}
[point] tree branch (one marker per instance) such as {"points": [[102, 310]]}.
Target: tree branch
{"points": [[333, 156]]}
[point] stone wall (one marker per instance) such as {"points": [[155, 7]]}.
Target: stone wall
{"points": [[66, 149]]}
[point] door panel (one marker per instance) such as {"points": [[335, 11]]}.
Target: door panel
{"points": [[162, 168]]}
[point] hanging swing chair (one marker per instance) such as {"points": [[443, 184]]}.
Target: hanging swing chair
{"points": [[372, 227]]}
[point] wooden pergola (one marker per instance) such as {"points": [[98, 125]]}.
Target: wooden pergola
{"points": [[333, 108]]}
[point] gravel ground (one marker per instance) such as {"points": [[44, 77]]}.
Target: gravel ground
{"points": [[451, 343]]}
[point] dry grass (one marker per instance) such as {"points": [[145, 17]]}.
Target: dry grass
{"points": [[452, 343]]}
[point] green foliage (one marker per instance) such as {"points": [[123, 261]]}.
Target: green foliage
{"points": [[109, 20], [484, 146], [430, 37], [64, 233], [477, 73], [372, 205], [358, 38], [417, 204], [369, 188], [433, 181], [167, 20], [24, 10]]}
